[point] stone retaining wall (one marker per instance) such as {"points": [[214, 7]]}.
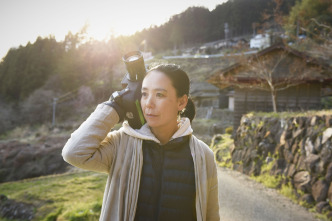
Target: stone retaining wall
{"points": [[223, 115], [299, 149]]}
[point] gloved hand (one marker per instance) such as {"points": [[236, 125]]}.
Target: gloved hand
{"points": [[127, 104]]}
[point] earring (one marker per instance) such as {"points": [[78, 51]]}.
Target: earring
{"points": [[179, 116]]}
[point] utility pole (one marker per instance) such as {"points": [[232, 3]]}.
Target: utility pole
{"points": [[54, 107], [297, 29], [226, 30]]}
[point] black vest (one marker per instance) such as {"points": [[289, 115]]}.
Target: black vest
{"points": [[167, 186]]}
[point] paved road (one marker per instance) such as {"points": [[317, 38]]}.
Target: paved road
{"points": [[242, 199]]}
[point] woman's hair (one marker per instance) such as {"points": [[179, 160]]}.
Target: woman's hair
{"points": [[181, 83]]}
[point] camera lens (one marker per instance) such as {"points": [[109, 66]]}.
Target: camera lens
{"points": [[135, 65], [133, 58]]}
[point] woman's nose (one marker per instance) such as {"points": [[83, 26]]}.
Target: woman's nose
{"points": [[149, 101]]}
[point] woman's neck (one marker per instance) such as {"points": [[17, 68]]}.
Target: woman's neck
{"points": [[164, 135]]}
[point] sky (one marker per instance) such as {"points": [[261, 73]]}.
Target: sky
{"points": [[22, 21]]}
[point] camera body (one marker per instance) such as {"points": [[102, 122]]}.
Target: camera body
{"points": [[132, 82]]}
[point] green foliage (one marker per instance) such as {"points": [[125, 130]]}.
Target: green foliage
{"points": [[75, 62], [310, 15], [288, 191], [53, 216], [229, 130], [327, 102], [221, 145], [267, 179], [26, 68]]}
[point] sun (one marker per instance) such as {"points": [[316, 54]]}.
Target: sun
{"points": [[102, 24]]}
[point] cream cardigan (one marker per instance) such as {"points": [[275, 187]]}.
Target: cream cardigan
{"points": [[119, 154]]}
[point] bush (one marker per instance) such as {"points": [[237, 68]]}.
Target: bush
{"points": [[8, 117], [38, 107], [229, 130], [327, 102], [84, 98]]}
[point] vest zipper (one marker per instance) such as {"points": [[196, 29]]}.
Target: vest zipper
{"points": [[160, 172]]}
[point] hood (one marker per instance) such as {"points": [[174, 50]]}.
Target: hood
{"points": [[145, 133]]}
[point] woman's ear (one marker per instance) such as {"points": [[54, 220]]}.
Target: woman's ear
{"points": [[182, 102]]}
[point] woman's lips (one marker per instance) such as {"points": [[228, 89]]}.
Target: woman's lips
{"points": [[150, 115]]}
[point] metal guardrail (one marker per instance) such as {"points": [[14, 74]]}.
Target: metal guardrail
{"points": [[208, 56]]}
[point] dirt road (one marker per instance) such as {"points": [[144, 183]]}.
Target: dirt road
{"points": [[242, 199]]}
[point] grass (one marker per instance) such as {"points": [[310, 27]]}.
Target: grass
{"points": [[71, 196], [266, 179], [26, 133], [288, 191], [222, 149]]}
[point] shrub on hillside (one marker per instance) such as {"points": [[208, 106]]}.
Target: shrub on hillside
{"points": [[8, 117], [84, 98], [37, 108]]}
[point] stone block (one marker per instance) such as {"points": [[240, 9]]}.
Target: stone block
{"points": [[329, 214], [328, 121], [301, 163], [328, 175], [320, 190], [327, 134], [309, 147], [318, 144], [296, 158], [298, 132], [283, 138], [313, 120], [311, 162], [295, 148], [323, 207], [326, 154], [288, 156], [278, 167], [307, 199], [329, 193], [280, 151], [237, 156], [290, 170], [302, 180]]}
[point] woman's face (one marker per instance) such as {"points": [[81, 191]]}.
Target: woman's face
{"points": [[159, 101]]}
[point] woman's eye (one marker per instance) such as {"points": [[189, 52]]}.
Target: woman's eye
{"points": [[160, 95], [144, 94]]}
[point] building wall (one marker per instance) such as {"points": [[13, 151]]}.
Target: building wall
{"points": [[207, 102], [297, 98]]}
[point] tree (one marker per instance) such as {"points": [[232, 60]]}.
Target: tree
{"points": [[27, 68], [306, 15], [313, 20]]}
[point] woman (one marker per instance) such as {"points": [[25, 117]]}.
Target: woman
{"points": [[158, 172]]}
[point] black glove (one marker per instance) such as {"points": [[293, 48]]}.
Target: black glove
{"points": [[127, 104], [115, 102]]}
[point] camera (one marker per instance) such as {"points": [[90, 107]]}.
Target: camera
{"points": [[135, 66], [132, 82]]}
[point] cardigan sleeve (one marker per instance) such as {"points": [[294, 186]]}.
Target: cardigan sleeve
{"points": [[89, 147], [213, 200]]}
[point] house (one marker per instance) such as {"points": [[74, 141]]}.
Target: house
{"points": [[260, 41], [205, 94], [298, 81]]}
